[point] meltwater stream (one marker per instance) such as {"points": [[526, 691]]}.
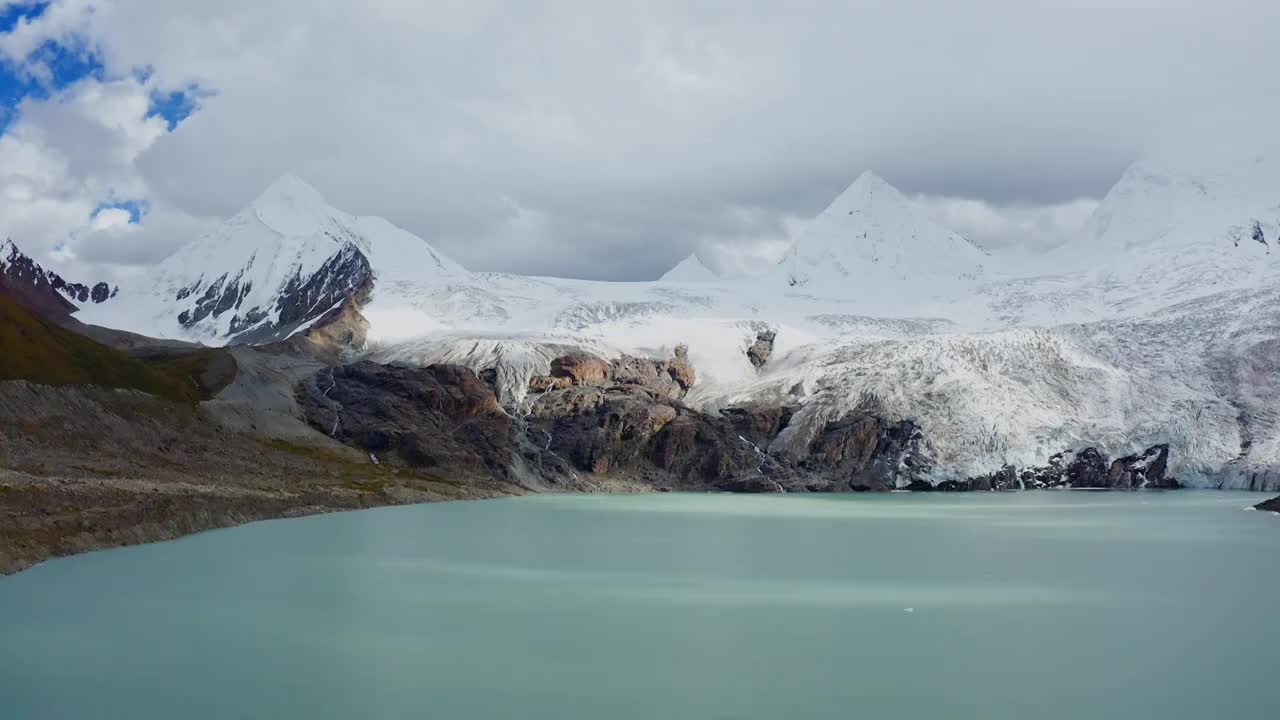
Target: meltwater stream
{"points": [[1037, 604]]}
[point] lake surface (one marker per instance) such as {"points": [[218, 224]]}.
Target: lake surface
{"points": [[1022, 605]]}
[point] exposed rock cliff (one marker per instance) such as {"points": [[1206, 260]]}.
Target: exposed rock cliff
{"points": [[42, 291]]}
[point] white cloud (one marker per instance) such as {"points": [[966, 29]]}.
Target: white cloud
{"points": [[67, 154], [66, 21], [998, 228], [632, 131]]}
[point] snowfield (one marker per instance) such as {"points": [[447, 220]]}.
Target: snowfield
{"points": [[1159, 323]]}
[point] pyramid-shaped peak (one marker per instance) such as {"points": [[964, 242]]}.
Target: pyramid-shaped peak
{"points": [[869, 180], [290, 190], [691, 269], [292, 207], [872, 233], [869, 189]]}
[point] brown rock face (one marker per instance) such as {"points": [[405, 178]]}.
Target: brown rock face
{"points": [[546, 383], [336, 332], [580, 370], [668, 378]]}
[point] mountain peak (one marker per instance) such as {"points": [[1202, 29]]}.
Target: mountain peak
{"points": [[1170, 202], [868, 191], [869, 180], [873, 233], [291, 207], [690, 269], [289, 189]]}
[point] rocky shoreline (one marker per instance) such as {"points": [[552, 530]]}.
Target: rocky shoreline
{"points": [[84, 468]]}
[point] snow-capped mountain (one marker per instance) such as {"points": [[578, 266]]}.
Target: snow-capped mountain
{"points": [[1158, 324], [873, 239], [1155, 207], [273, 268]]}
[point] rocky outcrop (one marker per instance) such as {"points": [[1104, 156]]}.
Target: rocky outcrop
{"points": [[44, 292], [334, 335], [1006, 478], [344, 279], [762, 348], [580, 370], [1090, 469], [590, 419], [759, 424], [437, 416], [1147, 469], [667, 378], [625, 416], [864, 452]]}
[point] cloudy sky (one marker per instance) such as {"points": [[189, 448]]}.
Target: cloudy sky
{"points": [[590, 139]]}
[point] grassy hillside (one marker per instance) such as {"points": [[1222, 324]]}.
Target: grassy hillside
{"points": [[35, 349]]}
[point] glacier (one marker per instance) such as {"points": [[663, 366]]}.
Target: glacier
{"points": [[1158, 323]]}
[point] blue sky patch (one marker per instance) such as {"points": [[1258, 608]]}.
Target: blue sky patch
{"points": [[136, 208], [177, 105], [65, 65], [11, 15]]}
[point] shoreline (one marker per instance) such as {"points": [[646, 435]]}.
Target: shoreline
{"points": [[46, 518], [191, 508]]}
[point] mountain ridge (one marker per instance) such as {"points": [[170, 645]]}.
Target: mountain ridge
{"points": [[996, 367]]}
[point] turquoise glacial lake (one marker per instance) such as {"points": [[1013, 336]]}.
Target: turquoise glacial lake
{"points": [[1020, 605]]}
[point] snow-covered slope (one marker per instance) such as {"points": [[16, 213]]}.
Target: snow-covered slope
{"points": [[1155, 207], [1159, 323]]}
